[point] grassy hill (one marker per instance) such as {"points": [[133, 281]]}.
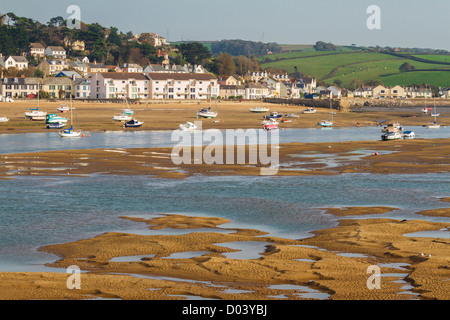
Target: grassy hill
{"points": [[348, 66]]}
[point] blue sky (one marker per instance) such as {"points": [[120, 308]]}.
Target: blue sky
{"points": [[404, 23]]}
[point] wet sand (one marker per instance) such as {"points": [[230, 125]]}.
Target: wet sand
{"points": [[330, 265], [94, 116]]}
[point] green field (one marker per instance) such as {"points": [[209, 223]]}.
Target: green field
{"points": [[363, 66]]}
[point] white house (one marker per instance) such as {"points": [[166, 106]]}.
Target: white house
{"points": [[82, 88], [131, 67], [56, 52], [182, 86], [335, 92], [37, 50], [255, 91], [19, 62], [418, 92], [115, 85], [444, 93]]}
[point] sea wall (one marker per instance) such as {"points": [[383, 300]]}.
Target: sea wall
{"points": [[352, 103]]}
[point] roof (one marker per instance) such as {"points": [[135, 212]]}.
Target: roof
{"points": [[58, 81], [19, 58], [20, 80], [122, 75], [96, 65], [36, 45], [180, 76], [232, 87], [68, 74], [56, 48]]}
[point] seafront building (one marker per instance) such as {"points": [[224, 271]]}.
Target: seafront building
{"points": [[119, 85]]}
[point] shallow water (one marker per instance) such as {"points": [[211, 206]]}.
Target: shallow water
{"points": [[37, 211], [37, 142]]}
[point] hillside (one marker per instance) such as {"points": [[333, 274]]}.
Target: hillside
{"points": [[352, 68]]}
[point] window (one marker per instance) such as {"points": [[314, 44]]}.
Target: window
{"points": [[192, 89]]}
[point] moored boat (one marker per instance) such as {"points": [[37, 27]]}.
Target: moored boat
{"points": [[270, 124], [34, 113], [133, 124], [259, 110], [121, 117], [274, 115], [54, 118], [393, 135], [56, 125], [188, 126], [4, 119], [409, 135], [309, 110], [291, 115], [206, 113]]}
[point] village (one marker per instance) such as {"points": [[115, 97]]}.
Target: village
{"points": [[64, 76]]}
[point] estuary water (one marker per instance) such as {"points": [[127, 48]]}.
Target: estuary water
{"points": [[37, 211]]}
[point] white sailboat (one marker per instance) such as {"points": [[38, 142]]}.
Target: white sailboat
{"points": [[207, 112], [71, 132], [329, 122], [435, 124]]}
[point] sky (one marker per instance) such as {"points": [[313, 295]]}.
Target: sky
{"points": [[403, 23]]}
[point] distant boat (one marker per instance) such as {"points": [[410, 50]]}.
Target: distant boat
{"points": [[329, 122], [34, 113], [121, 117], [188, 126], [286, 120], [133, 124], [4, 119], [207, 113], [392, 127], [56, 125], [274, 115], [270, 124], [290, 115], [409, 135], [259, 110], [435, 124], [63, 108], [309, 110], [54, 118], [71, 132], [391, 136]]}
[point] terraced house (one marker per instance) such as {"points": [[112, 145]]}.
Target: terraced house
{"points": [[183, 86], [118, 85], [20, 87]]}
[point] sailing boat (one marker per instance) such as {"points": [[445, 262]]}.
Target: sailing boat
{"points": [[435, 124], [329, 122], [206, 112], [71, 132]]}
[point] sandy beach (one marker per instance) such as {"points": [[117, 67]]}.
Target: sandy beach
{"points": [[95, 116], [331, 264]]}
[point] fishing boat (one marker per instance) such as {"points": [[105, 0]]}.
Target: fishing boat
{"points": [[4, 119], [393, 135], [71, 132], [34, 113], [56, 125], [309, 110], [259, 110], [274, 115], [392, 127], [133, 124], [122, 117], [188, 126], [54, 118], [270, 124], [409, 135]]}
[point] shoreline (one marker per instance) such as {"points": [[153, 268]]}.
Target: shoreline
{"points": [[95, 117]]}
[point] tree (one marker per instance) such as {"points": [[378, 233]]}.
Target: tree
{"points": [[114, 37], [57, 21], [194, 52], [226, 66], [406, 67], [322, 46]]}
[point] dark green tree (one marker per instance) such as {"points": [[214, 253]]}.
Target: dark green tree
{"points": [[194, 52]]}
